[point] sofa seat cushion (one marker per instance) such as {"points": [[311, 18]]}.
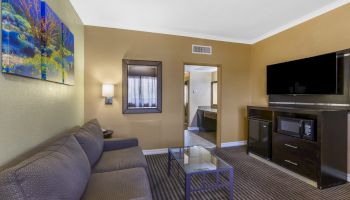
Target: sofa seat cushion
{"points": [[120, 159], [60, 171], [90, 137], [119, 185]]}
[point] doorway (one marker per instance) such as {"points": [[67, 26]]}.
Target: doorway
{"points": [[201, 103]]}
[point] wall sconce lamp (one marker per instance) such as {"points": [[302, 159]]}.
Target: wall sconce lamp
{"points": [[108, 93]]}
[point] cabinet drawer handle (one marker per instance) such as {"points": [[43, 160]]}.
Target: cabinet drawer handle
{"points": [[290, 162], [291, 146]]}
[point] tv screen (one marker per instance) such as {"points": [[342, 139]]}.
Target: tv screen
{"points": [[315, 75]]}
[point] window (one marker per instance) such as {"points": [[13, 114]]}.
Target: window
{"points": [[141, 86], [142, 92]]}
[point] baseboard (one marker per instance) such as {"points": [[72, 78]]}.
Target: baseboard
{"points": [[336, 173], [155, 151], [193, 128], [348, 177], [295, 175], [233, 144]]}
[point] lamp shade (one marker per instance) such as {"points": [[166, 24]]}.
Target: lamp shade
{"points": [[108, 90]]}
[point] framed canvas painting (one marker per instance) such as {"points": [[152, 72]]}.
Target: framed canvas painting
{"points": [[67, 55], [21, 33], [52, 69]]}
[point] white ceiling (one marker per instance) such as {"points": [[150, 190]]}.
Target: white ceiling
{"points": [[243, 21], [199, 68]]}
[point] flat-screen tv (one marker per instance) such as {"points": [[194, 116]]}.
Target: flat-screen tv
{"points": [[315, 75]]}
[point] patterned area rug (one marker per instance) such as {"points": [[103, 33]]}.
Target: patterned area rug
{"points": [[254, 180]]}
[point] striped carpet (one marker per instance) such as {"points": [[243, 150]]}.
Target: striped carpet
{"points": [[254, 180]]}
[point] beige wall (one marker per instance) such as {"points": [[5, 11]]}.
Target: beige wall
{"points": [[105, 48], [32, 111], [243, 73], [200, 94], [327, 33]]}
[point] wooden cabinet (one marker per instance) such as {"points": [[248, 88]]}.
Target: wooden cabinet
{"points": [[206, 119], [260, 137], [295, 154], [259, 132], [323, 160]]}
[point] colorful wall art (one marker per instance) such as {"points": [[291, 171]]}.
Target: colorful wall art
{"points": [[68, 55], [35, 42], [21, 37], [51, 56]]}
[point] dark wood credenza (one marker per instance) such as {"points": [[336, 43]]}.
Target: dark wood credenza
{"points": [[323, 160], [206, 118]]}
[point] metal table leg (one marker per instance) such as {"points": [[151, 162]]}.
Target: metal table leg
{"points": [[231, 184], [169, 162], [187, 186]]}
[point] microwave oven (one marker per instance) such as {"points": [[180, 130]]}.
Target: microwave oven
{"points": [[297, 127]]}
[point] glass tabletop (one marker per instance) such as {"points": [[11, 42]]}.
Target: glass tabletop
{"points": [[197, 158]]}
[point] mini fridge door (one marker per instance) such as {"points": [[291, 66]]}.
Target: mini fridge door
{"points": [[259, 140]]}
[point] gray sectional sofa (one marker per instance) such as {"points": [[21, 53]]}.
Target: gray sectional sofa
{"points": [[80, 165]]}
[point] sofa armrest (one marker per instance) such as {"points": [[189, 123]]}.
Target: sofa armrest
{"points": [[119, 143]]}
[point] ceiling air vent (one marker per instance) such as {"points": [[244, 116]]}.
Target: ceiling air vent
{"points": [[199, 49]]}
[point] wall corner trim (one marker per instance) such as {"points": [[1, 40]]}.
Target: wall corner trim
{"points": [[234, 144], [155, 151]]}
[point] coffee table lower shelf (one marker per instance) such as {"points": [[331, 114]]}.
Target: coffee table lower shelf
{"points": [[219, 180]]}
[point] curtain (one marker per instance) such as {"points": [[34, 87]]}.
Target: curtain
{"points": [[142, 92], [133, 91]]}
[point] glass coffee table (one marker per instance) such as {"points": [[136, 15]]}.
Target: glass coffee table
{"points": [[202, 169]]}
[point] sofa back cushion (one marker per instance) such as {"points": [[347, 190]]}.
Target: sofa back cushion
{"points": [[90, 137], [61, 171]]}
